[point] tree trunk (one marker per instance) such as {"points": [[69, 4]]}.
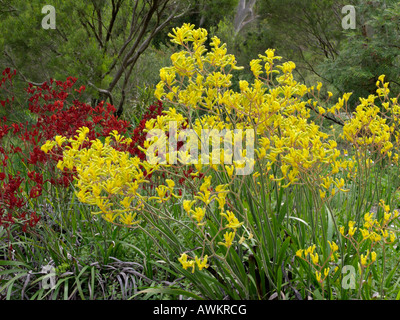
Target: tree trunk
{"points": [[244, 14]]}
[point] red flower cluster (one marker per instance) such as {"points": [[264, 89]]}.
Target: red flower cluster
{"points": [[57, 113], [138, 134], [3, 128], [13, 203], [7, 77], [56, 116]]}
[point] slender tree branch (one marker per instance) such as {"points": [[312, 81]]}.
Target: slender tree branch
{"points": [[103, 91], [139, 46], [37, 84], [326, 116]]}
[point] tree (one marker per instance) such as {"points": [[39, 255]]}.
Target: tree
{"points": [[99, 41], [306, 32], [246, 34], [370, 50], [244, 14]]}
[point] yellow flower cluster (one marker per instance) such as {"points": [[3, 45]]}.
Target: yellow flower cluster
{"points": [[107, 178], [373, 128], [201, 263], [320, 267], [372, 229], [200, 80], [113, 181], [364, 258]]}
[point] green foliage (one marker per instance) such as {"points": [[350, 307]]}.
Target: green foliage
{"points": [[92, 259], [98, 41], [254, 38], [368, 51], [305, 32]]}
